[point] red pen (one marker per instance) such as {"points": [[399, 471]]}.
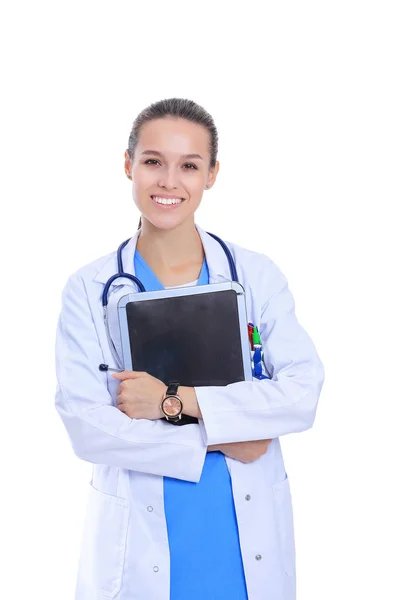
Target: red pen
{"points": [[250, 329]]}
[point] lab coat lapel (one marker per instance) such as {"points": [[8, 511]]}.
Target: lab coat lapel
{"points": [[119, 287], [218, 265], [111, 266]]}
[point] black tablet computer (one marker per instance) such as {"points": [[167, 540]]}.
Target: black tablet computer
{"points": [[194, 335]]}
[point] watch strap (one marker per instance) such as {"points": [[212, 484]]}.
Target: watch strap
{"points": [[172, 389]]}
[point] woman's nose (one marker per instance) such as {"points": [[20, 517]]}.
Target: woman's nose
{"points": [[169, 179]]}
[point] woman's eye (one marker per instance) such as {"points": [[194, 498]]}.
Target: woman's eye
{"points": [[153, 161]]}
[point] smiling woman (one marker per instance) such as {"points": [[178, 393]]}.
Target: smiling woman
{"points": [[169, 132], [202, 510], [171, 159]]}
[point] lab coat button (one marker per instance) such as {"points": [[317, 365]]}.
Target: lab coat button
{"points": [[248, 497], [258, 557], [150, 508], [155, 569]]}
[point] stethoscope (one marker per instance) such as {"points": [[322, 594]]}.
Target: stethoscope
{"points": [[141, 288]]}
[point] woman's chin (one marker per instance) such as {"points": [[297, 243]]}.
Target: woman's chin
{"points": [[165, 222]]}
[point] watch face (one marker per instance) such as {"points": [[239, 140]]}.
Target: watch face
{"points": [[172, 406]]}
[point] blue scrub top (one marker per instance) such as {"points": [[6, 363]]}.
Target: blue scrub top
{"points": [[203, 536]]}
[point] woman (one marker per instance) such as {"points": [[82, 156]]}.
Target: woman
{"points": [[203, 510]]}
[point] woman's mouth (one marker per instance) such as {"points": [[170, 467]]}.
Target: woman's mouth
{"points": [[167, 202]]}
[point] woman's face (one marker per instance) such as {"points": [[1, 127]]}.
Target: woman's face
{"points": [[171, 161]]}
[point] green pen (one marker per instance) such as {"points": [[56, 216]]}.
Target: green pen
{"points": [[256, 337]]}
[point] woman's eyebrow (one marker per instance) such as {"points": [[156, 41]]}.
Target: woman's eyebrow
{"points": [[183, 155]]}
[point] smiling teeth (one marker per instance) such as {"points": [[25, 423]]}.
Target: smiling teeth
{"points": [[167, 200]]}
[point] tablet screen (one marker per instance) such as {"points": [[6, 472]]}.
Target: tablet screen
{"points": [[192, 339]]}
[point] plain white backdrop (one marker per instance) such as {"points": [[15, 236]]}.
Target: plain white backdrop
{"points": [[306, 99]]}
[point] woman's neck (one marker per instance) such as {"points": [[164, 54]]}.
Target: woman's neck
{"points": [[170, 248]]}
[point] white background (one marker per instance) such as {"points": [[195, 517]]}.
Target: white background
{"points": [[305, 96]]}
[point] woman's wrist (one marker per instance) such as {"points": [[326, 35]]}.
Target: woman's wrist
{"points": [[189, 401]]}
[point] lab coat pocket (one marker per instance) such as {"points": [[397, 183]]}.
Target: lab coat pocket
{"points": [[284, 523], [104, 542]]}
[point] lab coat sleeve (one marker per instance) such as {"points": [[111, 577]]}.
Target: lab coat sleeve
{"points": [[268, 408], [98, 430]]}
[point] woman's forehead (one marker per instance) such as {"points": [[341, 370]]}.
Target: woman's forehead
{"points": [[174, 136]]}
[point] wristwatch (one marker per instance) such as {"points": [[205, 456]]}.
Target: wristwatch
{"points": [[171, 404]]}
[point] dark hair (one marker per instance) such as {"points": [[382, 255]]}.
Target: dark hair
{"points": [[175, 107]]}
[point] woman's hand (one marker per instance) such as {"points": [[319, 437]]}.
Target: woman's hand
{"points": [[139, 395], [246, 452]]}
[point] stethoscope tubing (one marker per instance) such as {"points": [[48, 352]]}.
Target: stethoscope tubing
{"points": [[121, 272]]}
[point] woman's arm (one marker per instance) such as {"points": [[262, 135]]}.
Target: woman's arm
{"points": [[99, 432], [268, 408]]}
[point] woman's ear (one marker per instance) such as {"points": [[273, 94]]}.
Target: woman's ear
{"points": [[128, 165], [212, 176]]}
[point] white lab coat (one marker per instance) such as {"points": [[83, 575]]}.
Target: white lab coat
{"points": [[124, 552]]}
